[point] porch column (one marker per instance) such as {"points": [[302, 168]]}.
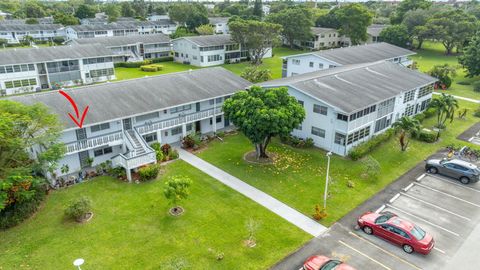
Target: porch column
{"points": [[129, 175], [159, 136], [214, 122], [184, 130]]}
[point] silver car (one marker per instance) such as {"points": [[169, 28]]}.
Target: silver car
{"points": [[464, 171]]}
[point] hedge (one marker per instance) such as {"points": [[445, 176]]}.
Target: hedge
{"points": [[162, 59], [133, 64], [364, 148], [149, 172], [151, 68], [427, 136]]}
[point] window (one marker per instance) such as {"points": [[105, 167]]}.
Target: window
{"points": [[339, 138], [101, 72], [342, 117], [301, 102], [20, 83], [409, 96], [331, 66], [320, 109], [318, 132], [386, 107], [320, 65], [211, 48], [358, 135], [213, 58], [181, 108], [99, 127], [296, 62], [102, 151], [311, 64], [150, 137], [425, 90], [382, 123], [144, 117], [218, 119], [409, 110], [176, 130]]}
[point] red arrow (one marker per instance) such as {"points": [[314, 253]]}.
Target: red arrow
{"points": [[75, 119]]}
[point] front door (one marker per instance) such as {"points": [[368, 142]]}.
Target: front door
{"points": [[197, 127], [127, 124], [83, 156]]}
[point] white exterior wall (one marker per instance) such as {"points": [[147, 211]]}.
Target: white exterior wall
{"points": [[17, 36], [221, 28]]}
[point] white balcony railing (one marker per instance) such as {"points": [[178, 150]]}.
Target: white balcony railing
{"points": [[129, 162], [90, 143], [185, 119]]}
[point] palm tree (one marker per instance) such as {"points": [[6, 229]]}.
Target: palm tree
{"points": [[445, 106], [406, 125]]}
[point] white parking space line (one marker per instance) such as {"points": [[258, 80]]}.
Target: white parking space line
{"points": [[451, 181], [385, 251], [426, 221], [439, 250], [433, 205], [365, 255], [394, 198], [446, 194], [380, 209], [408, 187], [420, 177]]}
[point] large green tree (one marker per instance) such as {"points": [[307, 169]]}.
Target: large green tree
{"points": [[261, 114], [407, 5], [34, 9], [296, 23], [257, 9], [470, 59], [25, 127], [415, 21], [354, 20], [258, 37], [190, 15], [85, 11], [396, 35]]}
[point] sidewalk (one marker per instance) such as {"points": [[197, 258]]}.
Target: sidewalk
{"points": [[291, 215], [462, 98]]}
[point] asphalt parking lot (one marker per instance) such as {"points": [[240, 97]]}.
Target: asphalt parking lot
{"points": [[443, 207]]}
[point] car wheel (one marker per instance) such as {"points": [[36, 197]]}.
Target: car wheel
{"points": [[464, 180], [408, 249], [367, 230], [433, 170]]}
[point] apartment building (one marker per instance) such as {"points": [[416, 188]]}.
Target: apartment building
{"points": [[220, 24], [348, 105], [35, 69], [325, 59], [134, 47], [125, 117], [209, 50], [14, 33]]}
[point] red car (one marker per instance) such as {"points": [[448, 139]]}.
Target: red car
{"points": [[319, 262], [398, 231]]}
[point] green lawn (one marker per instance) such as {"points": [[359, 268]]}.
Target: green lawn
{"points": [[298, 176], [433, 53], [274, 63], [168, 67], [132, 230]]}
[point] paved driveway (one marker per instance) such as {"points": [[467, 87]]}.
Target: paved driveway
{"points": [[443, 207]]}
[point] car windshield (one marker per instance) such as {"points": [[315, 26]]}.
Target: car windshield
{"points": [[331, 265], [383, 218], [418, 233]]}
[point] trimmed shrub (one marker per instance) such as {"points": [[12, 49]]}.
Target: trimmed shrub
{"points": [[173, 154], [151, 68], [364, 148], [78, 208], [148, 172], [133, 64], [427, 136], [158, 151], [162, 59], [464, 83], [297, 142], [476, 86], [191, 140]]}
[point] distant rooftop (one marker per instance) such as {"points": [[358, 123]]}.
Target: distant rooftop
{"points": [[124, 40], [353, 87], [119, 25], [30, 27], [321, 30], [210, 40], [215, 20], [44, 54], [375, 29], [361, 53], [110, 101]]}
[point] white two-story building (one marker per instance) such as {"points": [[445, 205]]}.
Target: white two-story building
{"points": [[209, 50], [134, 47], [14, 33], [34, 69], [220, 24], [348, 105], [125, 117], [319, 60]]}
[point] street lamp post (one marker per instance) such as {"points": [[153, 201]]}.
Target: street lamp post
{"points": [[78, 262], [326, 181]]}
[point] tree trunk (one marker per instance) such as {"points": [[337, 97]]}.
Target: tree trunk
{"points": [[420, 43], [261, 148]]}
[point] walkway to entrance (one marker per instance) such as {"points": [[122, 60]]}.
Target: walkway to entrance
{"points": [[291, 215]]}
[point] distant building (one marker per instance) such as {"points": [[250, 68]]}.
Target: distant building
{"points": [[120, 29], [209, 50], [45, 20], [133, 47], [34, 69], [220, 24], [104, 20], [325, 59], [14, 33], [4, 15]]}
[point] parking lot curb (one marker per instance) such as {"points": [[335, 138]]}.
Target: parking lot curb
{"points": [[408, 187]]}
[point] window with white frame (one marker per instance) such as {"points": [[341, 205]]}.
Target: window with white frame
{"points": [[320, 65], [99, 127], [409, 110], [320, 109], [296, 61], [150, 137], [176, 130], [102, 151], [409, 96], [181, 108], [339, 138], [383, 123], [358, 135], [425, 90], [311, 64], [386, 107], [318, 132]]}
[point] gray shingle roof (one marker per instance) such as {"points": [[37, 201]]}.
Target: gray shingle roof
{"points": [[30, 27], [215, 20], [35, 55], [124, 40], [109, 101], [118, 25], [210, 40], [320, 30], [362, 53], [354, 87], [375, 29]]}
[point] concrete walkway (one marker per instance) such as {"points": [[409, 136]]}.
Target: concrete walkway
{"points": [[462, 98], [291, 215]]}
